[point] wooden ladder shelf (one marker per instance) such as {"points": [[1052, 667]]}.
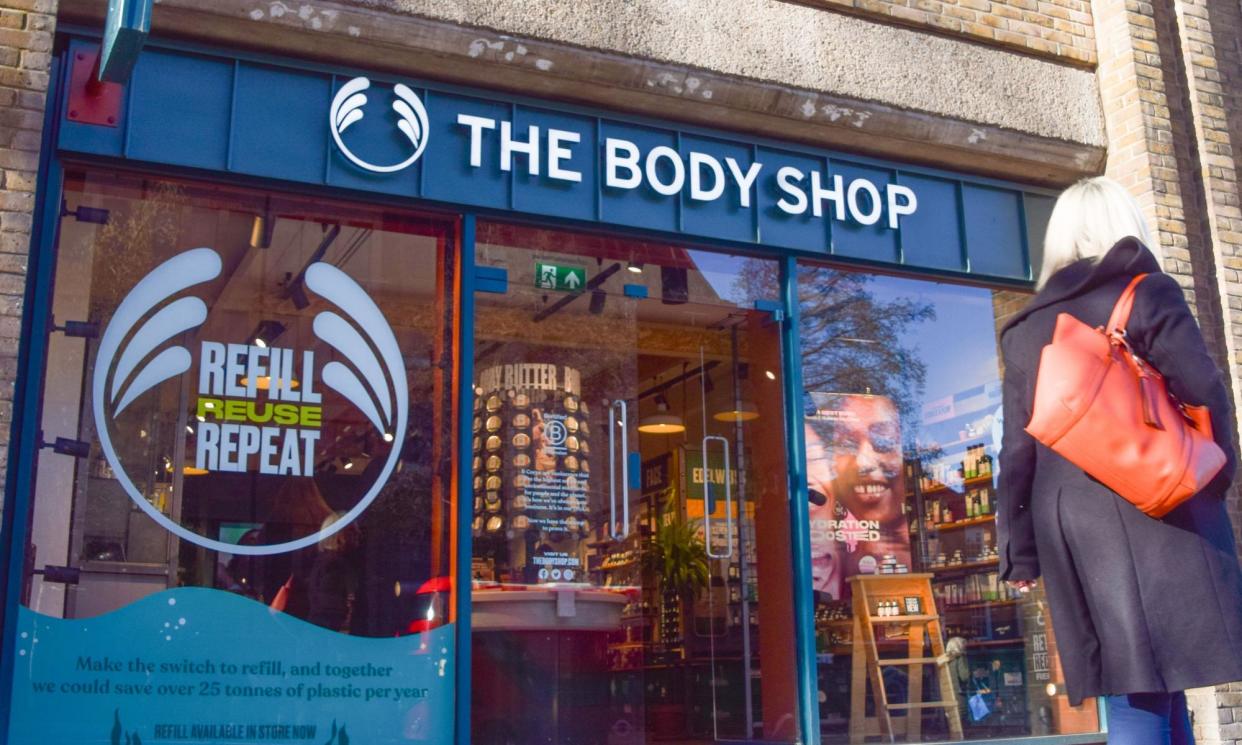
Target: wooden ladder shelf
{"points": [[869, 591]]}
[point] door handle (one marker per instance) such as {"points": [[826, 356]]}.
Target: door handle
{"points": [[708, 507], [618, 419]]}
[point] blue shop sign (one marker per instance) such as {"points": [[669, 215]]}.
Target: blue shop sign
{"points": [[483, 150]]}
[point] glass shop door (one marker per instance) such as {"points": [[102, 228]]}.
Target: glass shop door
{"points": [[629, 496]]}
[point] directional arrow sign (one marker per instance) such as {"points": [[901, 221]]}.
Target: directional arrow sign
{"points": [[549, 276]]}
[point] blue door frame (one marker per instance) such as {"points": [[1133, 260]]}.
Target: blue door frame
{"points": [[25, 436]]}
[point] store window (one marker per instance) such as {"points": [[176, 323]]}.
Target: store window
{"points": [[916, 634], [631, 516], [241, 518]]}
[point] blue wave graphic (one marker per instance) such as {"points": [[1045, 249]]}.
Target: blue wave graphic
{"points": [[198, 666]]}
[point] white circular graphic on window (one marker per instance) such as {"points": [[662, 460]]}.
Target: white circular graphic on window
{"points": [[411, 120], [235, 431], [554, 432]]}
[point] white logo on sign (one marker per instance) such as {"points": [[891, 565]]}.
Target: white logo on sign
{"points": [[554, 432], [411, 120], [120, 376]]}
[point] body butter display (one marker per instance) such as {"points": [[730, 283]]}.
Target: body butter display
{"points": [[534, 506]]}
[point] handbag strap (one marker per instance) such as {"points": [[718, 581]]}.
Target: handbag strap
{"points": [[1121, 310]]}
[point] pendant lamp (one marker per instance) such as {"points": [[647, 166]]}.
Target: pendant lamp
{"points": [[742, 411], [662, 422]]}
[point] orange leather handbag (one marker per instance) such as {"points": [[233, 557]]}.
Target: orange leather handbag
{"points": [[1104, 409]]}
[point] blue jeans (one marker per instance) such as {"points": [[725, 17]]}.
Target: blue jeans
{"points": [[1149, 719]]}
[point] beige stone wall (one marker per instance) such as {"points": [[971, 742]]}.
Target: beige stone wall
{"points": [[26, 29], [804, 47]]}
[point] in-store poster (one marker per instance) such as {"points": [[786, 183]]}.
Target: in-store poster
{"points": [[709, 499], [196, 666], [856, 478], [532, 469]]}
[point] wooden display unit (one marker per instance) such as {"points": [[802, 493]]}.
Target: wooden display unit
{"points": [[922, 630]]}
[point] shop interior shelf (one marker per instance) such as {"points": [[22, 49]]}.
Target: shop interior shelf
{"points": [[903, 619], [977, 643], [956, 488], [982, 604], [618, 565], [968, 567], [968, 523]]}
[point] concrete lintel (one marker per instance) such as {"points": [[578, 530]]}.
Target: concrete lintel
{"points": [[415, 46]]}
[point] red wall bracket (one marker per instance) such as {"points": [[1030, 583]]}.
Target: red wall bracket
{"points": [[92, 101]]}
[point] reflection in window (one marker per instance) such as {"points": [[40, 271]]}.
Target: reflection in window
{"points": [[266, 458], [902, 397], [630, 496]]}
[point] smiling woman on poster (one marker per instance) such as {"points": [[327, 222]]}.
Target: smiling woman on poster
{"points": [[856, 479]]}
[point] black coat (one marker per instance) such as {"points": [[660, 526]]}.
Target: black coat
{"points": [[1138, 604]]}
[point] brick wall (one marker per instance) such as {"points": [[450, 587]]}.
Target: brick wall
{"points": [[1169, 83], [1053, 28], [26, 29]]}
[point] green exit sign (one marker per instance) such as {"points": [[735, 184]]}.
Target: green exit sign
{"points": [[550, 276]]}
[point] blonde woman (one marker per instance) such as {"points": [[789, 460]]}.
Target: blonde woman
{"points": [[1142, 608]]}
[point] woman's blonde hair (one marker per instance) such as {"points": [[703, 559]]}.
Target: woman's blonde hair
{"points": [[1088, 219]]}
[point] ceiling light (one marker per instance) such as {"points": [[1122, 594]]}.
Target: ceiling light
{"points": [[744, 411], [634, 267], [387, 437], [66, 446], [78, 329], [662, 422], [93, 215], [261, 228], [264, 382], [267, 332], [771, 375]]}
